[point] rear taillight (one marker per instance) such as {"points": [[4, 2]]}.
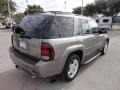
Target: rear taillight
{"points": [[47, 51]]}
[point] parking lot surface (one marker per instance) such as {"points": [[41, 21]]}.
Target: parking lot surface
{"points": [[101, 74]]}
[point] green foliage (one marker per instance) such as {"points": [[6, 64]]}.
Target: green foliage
{"points": [[34, 9], [105, 7], [77, 10], [108, 7], [17, 17], [4, 7], [90, 10]]}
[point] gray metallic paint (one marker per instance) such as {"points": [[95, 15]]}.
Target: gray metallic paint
{"points": [[63, 47]]}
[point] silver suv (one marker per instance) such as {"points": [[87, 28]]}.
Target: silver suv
{"points": [[56, 44]]}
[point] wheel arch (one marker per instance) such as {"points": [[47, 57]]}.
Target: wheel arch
{"points": [[77, 52]]}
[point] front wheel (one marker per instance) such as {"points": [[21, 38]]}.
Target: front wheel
{"points": [[105, 49], [71, 67]]}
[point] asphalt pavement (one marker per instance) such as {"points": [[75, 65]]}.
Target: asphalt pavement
{"points": [[101, 74]]}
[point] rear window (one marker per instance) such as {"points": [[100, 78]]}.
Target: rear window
{"points": [[35, 25], [46, 26]]}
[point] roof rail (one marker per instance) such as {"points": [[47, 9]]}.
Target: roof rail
{"points": [[60, 12]]}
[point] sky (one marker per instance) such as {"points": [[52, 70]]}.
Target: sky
{"points": [[52, 5]]}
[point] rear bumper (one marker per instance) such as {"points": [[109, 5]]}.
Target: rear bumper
{"points": [[40, 68]]}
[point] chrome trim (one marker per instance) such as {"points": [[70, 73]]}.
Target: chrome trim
{"points": [[92, 58]]}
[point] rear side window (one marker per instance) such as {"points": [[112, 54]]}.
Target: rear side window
{"points": [[65, 25], [53, 32]]}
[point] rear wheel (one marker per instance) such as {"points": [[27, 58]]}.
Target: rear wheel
{"points": [[71, 67], [105, 49]]}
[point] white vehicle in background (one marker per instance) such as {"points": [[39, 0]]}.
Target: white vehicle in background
{"points": [[104, 22], [10, 24], [0, 24]]}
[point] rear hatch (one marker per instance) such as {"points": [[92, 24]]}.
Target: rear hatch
{"points": [[28, 35]]}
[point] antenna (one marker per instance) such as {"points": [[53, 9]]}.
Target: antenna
{"points": [[65, 5]]}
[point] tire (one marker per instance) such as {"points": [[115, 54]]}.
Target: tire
{"points": [[104, 50], [71, 68]]}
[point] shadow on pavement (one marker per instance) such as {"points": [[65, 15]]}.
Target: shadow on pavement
{"points": [[20, 80]]}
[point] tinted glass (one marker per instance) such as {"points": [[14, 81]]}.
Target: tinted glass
{"points": [[85, 27], [105, 20], [93, 26], [35, 25], [65, 25], [53, 32]]}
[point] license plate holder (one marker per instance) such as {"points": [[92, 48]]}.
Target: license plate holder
{"points": [[22, 44]]}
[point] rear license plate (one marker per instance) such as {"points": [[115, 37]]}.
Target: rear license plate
{"points": [[22, 44]]}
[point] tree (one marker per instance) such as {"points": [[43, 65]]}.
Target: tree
{"points": [[89, 10], [34, 9], [12, 6], [77, 10], [17, 17], [105, 7], [4, 7], [108, 7], [1, 5]]}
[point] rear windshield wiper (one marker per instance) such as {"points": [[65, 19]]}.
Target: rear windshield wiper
{"points": [[19, 30], [28, 37]]}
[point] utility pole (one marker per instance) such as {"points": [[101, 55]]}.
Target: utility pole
{"points": [[82, 8], [65, 5], [10, 17], [27, 6]]}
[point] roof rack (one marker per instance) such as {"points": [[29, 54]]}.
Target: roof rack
{"points": [[60, 12]]}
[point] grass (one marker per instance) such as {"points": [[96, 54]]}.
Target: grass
{"points": [[116, 27]]}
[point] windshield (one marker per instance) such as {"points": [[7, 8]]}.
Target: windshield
{"points": [[34, 25]]}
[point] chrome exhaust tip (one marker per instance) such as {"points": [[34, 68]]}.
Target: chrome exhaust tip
{"points": [[34, 75]]}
